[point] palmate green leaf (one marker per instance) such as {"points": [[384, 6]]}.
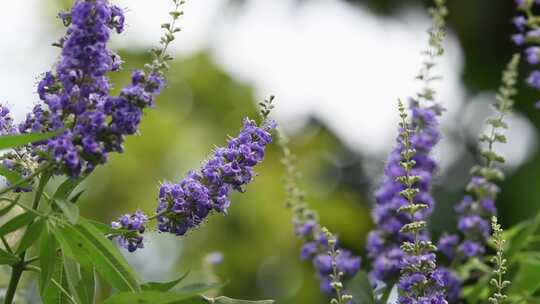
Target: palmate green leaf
{"points": [[163, 286], [160, 297], [17, 222], [88, 246], [7, 258], [226, 300], [13, 141], [360, 288], [32, 233]]}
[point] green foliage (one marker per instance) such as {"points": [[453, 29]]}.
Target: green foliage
{"points": [[88, 246], [163, 286], [33, 232], [7, 258], [14, 141], [160, 297], [226, 300], [48, 259], [361, 289], [17, 222]]}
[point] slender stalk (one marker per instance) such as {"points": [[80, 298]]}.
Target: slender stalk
{"points": [[20, 267]]}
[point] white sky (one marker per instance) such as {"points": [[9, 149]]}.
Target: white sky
{"points": [[322, 58]]}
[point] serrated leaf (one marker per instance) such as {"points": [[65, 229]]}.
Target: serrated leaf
{"points": [[360, 288], [159, 297], [164, 286], [87, 245], [13, 141], [16, 223], [32, 233]]}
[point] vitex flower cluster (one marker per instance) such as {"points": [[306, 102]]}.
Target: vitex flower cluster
{"points": [[183, 206], [76, 100], [419, 280], [383, 243], [528, 36], [332, 264], [478, 206]]}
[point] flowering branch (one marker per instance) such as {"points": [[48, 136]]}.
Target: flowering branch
{"points": [[500, 264], [478, 207], [333, 265], [419, 281]]}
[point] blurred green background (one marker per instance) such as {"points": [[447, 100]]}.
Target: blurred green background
{"points": [[203, 104]]}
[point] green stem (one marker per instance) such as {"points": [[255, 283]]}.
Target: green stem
{"points": [[13, 282], [19, 268], [155, 216]]}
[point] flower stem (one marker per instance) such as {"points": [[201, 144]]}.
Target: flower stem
{"points": [[20, 267]]}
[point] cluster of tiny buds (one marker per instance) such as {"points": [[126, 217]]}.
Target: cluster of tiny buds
{"points": [[500, 264], [159, 55], [527, 24], [336, 284], [266, 107]]}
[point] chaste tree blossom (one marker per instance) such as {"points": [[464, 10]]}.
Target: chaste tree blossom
{"points": [[420, 281], [333, 264], [478, 206], [76, 95], [183, 206], [528, 27], [383, 243]]}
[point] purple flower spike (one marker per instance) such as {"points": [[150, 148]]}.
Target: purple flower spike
{"points": [[184, 206]]}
